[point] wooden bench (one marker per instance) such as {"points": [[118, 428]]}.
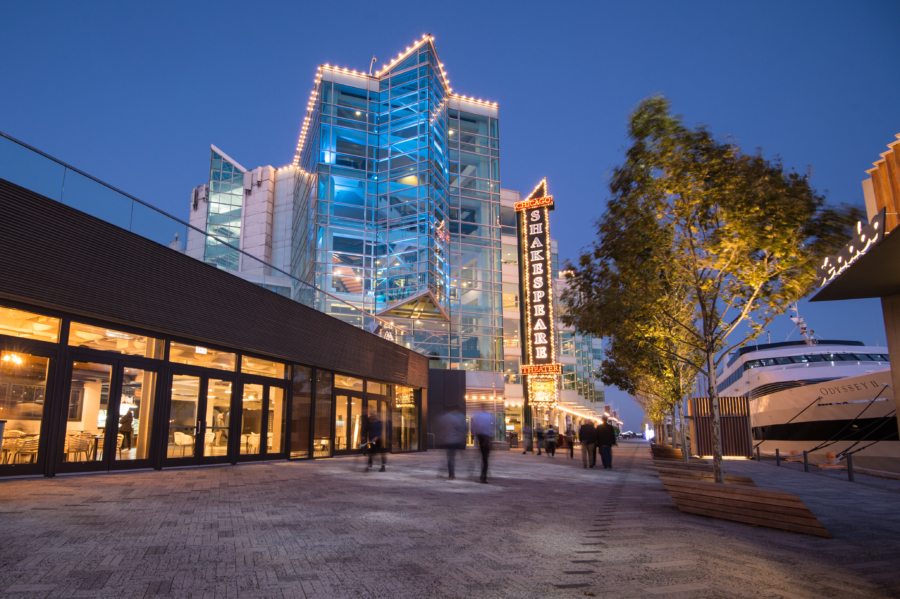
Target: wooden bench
{"points": [[700, 465], [661, 452], [702, 475], [750, 505]]}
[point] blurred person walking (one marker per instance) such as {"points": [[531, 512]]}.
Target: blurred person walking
{"points": [[570, 441], [376, 441], [588, 435], [606, 438], [453, 436], [526, 437], [539, 435], [551, 436], [483, 429]]}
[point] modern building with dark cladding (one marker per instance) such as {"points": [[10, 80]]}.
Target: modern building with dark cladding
{"points": [[98, 324]]}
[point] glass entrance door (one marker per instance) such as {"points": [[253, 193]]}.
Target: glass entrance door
{"points": [[263, 412], [199, 427], [108, 421], [349, 433]]}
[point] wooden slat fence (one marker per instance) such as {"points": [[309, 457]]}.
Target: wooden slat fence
{"points": [[734, 422]]}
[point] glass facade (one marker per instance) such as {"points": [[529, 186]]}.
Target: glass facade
{"points": [[398, 211], [116, 410], [223, 219]]}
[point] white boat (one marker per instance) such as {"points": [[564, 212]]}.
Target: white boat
{"points": [[806, 393]]}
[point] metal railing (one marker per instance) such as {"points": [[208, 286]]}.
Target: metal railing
{"points": [[41, 173]]}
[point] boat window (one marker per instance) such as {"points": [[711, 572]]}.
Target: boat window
{"points": [[751, 364], [799, 359], [863, 357], [783, 361], [815, 358], [767, 362], [885, 358]]}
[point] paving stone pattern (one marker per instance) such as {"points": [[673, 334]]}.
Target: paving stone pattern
{"points": [[543, 527]]}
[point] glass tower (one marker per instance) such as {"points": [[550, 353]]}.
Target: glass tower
{"points": [[397, 206], [223, 219]]}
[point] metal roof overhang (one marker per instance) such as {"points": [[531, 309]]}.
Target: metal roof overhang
{"points": [[874, 274]]}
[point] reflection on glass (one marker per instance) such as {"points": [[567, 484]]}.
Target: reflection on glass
{"points": [[88, 405], [195, 355], [348, 382], [183, 416], [23, 384], [18, 323], [341, 417], [258, 366], [91, 337], [218, 417], [405, 420], [276, 421], [301, 400], [135, 414], [355, 422], [251, 419], [378, 388], [322, 434]]}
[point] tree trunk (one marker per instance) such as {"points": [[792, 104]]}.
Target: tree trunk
{"points": [[716, 432], [685, 445], [673, 431]]}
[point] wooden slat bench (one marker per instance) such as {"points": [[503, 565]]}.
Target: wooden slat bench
{"points": [[699, 465], [750, 505], [661, 452], [700, 475]]}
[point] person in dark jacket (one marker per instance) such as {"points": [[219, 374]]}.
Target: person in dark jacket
{"points": [[539, 436], [606, 438], [126, 428], [588, 436], [570, 441], [551, 436], [376, 441]]}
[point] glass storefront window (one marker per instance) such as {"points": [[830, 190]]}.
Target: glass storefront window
{"points": [[322, 434], [251, 419], [348, 382], [405, 420], [301, 400], [136, 414], [18, 323], [23, 384], [183, 413], [87, 415], [275, 426], [195, 355], [510, 297], [91, 337], [218, 417], [258, 366], [378, 388]]}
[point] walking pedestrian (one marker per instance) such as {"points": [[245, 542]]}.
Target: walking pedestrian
{"points": [[588, 436], [550, 435], [539, 435], [453, 436], [376, 440], [483, 429], [570, 441], [606, 438], [526, 437]]}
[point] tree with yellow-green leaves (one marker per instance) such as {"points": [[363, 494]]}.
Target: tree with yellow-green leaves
{"points": [[701, 246]]}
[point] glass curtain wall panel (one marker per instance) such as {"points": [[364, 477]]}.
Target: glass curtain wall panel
{"points": [[223, 220], [23, 388]]}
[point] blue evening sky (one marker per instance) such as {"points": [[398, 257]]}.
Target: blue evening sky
{"points": [[134, 93]]}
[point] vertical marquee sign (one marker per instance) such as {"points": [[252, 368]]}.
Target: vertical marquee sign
{"points": [[538, 331]]}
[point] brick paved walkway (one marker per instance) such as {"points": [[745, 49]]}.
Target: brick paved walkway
{"points": [[543, 528]]}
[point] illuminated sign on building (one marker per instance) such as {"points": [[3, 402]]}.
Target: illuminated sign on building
{"points": [[538, 332], [865, 237]]}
